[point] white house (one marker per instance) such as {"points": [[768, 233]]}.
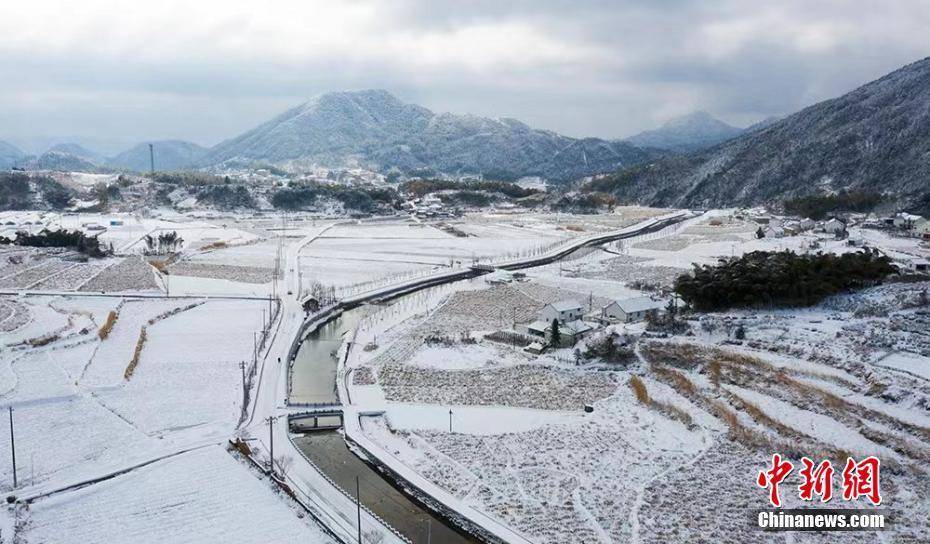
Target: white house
{"points": [[906, 221], [772, 231], [919, 265], [569, 331], [834, 226], [564, 310], [631, 309], [923, 230], [806, 224]]}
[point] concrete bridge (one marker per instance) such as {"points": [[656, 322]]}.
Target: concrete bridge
{"points": [[328, 419]]}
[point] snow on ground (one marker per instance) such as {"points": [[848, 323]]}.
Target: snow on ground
{"points": [[350, 254], [844, 378], [909, 362], [77, 417], [184, 356], [108, 364], [201, 496]]}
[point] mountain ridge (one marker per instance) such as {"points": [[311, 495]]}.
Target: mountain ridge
{"points": [[687, 133], [373, 128], [874, 138]]}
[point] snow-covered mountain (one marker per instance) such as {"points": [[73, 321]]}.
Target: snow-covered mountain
{"points": [[79, 151], [875, 138], [10, 155], [374, 129], [698, 130], [60, 161], [169, 155]]}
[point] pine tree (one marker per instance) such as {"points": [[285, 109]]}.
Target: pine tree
{"points": [[556, 336]]}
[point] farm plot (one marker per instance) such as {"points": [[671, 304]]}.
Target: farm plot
{"points": [[522, 386], [195, 497], [632, 271], [245, 274], [256, 254], [109, 363], [35, 274], [34, 318], [552, 483], [73, 277], [195, 234], [359, 253], [13, 314], [130, 274], [188, 373], [68, 438]]}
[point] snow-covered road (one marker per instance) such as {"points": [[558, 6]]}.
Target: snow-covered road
{"points": [[330, 504]]}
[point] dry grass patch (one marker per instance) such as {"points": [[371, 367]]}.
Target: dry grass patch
{"points": [[215, 245], [104, 331], [669, 410], [639, 389], [161, 266], [727, 368], [140, 343]]}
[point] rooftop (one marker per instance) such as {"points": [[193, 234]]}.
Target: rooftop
{"points": [[565, 305], [639, 304]]}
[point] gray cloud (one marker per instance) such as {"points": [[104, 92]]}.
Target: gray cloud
{"points": [[112, 74]]}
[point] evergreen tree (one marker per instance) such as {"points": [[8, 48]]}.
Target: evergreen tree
{"points": [[556, 336]]}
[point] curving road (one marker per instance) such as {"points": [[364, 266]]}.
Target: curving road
{"points": [[324, 500]]}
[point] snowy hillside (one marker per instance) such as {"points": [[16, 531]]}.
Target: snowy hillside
{"points": [[375, 129]]}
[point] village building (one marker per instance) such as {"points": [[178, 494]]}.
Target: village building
{"points": [[563, 310], [570, 332], [568, 314], [906, 221], [631, 310], [772, 231], [834, 226]]}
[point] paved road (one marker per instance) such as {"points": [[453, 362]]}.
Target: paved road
{"points": [[321, 495]]}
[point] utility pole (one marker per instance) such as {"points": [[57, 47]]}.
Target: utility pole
{"points": [[429, 530], [13, 447], [254, 348], [271, 420], [450, 420], [358, 508], [152, 158]]}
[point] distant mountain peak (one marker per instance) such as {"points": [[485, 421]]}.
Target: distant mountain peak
{"points": [[9, 155], [687, 133], [375, 129], [77, 150], [169, 155], [874, 138]]}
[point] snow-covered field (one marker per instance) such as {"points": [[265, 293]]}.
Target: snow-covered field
{"points": [[350, 254], [81, 414], [153, 400], [200, 496], [845, 378]]}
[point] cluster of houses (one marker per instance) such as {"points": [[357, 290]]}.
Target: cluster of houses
{"points": [[569, 317], [778, 227], [428, 207], [904, 223]]}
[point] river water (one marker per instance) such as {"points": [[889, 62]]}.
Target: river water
{"points": [[313, 380]]}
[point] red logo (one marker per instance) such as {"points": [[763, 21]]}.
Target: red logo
{"points": [[860, 479], [774, 476]]}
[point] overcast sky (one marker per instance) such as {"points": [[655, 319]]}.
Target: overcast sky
{"points": [[111, 73]]}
